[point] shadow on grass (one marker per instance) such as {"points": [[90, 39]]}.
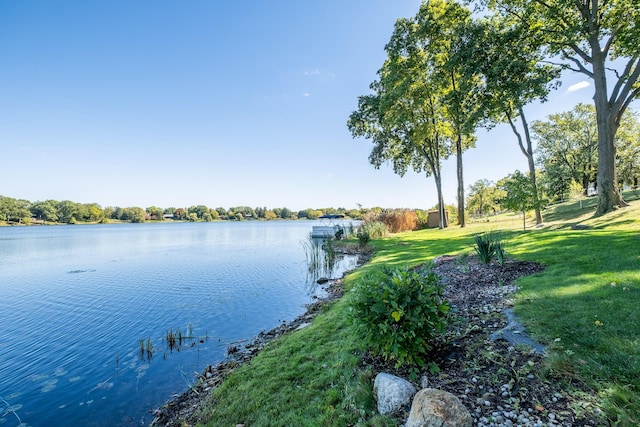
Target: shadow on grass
{"points": [[584, 306]]}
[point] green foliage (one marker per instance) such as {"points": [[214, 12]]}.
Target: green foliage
{"points": [[567, 148], [520, 193], [137, 215], [370, 230], [598, 39], [400, 313], [483, 197], [423, 103], [363, 236], [312, 377], [12, 210], [488, 246]]}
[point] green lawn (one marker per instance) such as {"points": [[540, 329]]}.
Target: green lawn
{"points": [[584, 306]]}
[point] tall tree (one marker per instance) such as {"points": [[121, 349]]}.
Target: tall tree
{"points": [[513, 76], [598, 38], [519, 195], [567, 145], [418, 110], [45, 211], [628, 149], [405, 130], [484, 197], [463, 106]]}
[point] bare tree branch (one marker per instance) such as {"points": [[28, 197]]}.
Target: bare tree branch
{"points": [[610, 40], [626, 81], [633, 95], [581, 68], [515, 131]]}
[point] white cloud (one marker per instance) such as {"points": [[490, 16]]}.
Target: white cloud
{"points": [[580, 85], [306, 94], [320, 74]]}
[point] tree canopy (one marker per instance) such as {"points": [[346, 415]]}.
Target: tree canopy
{"points": [[421, 103], [598, 38]]}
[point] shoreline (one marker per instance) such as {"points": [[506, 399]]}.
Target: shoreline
{"points": [[500, 382], [185, 406]]}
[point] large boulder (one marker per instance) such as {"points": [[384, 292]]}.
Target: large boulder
{"points": [[437, 408], [393, 393]]}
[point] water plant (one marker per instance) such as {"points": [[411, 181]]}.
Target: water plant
{"points": [[149, 349], [321, 256], [145, 348], [172, 340]]}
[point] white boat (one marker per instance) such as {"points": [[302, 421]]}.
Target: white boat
{"points": [[327, 230]]}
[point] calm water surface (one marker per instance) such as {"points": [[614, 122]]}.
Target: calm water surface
{"points": [[75, 301]]}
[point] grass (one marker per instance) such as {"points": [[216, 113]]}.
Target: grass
{"points": [[583, 306]]}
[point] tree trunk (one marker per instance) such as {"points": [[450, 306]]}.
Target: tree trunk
{"points": [[461, 219], [442, 221], [528, 152], [609, 196]]}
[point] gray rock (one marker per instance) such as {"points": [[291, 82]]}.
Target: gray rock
{"points": [[393, 393], [437, 408]]}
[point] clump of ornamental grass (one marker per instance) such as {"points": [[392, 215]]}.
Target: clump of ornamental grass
{"points": [[488, 246], [370, 230]]}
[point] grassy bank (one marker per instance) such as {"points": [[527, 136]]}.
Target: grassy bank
{"points": [[583, 306]]}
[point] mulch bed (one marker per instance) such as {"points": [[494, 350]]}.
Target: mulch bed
{"points": [[501, 383]]}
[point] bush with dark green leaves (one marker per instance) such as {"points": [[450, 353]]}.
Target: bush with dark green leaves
{"points": [[400, 313]]}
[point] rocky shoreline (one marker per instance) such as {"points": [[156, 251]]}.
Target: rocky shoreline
{"points": [[183, 409]]}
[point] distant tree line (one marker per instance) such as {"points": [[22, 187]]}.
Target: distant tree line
{"points": [[21, 211]]}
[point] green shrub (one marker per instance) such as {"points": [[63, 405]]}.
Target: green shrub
{"points": [[489, 246], [373, 229], [363, 236], [400, 313]]}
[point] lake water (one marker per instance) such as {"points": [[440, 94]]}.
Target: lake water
{"points": [[75, 301]]}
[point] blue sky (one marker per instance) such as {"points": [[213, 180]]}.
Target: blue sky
{"points": [[167, 103]]}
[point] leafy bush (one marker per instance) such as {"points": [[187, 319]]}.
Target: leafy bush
{"points": [[363, 236], [489, 246], [400, 312]]}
